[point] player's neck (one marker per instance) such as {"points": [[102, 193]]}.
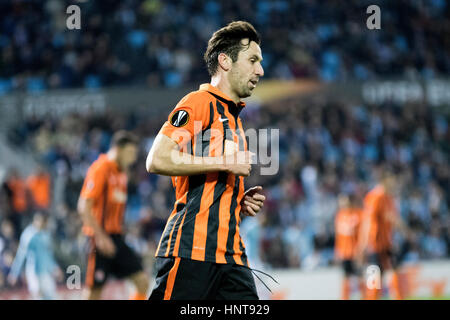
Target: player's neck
{"points": [[385, 189], [112, 156], [223, 85]]}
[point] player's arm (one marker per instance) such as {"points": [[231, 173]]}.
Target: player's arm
{"points": [[364, 229], [165, 158], [102, 240], [85, 211], [363, 238]]}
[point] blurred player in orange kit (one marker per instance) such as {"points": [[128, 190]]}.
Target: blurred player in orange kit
{"points": [[102, 205], [380, 219], [347, 224], [39, 186], [16, 190]]}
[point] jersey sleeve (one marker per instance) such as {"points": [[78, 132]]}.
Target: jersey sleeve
{"points": [[94, 183], [371, 205], [187, 119]]}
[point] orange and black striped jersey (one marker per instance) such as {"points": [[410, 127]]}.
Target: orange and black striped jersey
{"points": [[107, 186], [347, 226], [204, 223], [18, 190], [377, 206]]}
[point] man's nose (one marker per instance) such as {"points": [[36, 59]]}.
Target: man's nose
{"points": [[259, 70]]}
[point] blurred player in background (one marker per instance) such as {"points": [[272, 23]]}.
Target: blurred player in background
{"points": [[16, 190], [102, 205], [347, 228], [380, 220], [201, 254], [39, 187], [41, 268]]}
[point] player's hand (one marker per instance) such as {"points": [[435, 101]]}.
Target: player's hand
{"points": [[239, 163], [253, 201], [105, 245]]}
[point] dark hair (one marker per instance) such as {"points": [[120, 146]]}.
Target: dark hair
{"points": [[228, 40], [122, 137], [388, 172]]}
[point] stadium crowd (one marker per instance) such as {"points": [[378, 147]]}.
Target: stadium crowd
{"points": [[160, 42], [326, 148]]}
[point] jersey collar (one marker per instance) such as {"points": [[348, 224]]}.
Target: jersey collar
{"points": [[208, 87], [111, 163]]}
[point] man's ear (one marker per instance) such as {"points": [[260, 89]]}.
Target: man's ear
{"points": [[224, 61]]}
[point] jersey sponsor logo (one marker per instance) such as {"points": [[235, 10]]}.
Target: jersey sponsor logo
{"points": [[179, 118], [223, 119]]}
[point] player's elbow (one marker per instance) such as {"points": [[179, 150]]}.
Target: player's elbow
{"points": [[160, 157], [82, 213], [83, 207], [155, 163], [150, 165], [80, 206]]}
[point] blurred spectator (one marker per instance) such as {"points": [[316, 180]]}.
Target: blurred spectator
{"points": [[434, 243], [35, 251], [326, 147], [16, 191], [161, 42], [39, 186], [328, 144]]}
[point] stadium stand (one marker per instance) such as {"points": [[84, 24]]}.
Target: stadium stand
{"points": [[326, 147]]}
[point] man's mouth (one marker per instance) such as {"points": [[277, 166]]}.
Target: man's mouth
{"points": [[254, 82]]}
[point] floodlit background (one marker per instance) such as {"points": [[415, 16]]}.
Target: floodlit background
{"points": [[348, 101]]}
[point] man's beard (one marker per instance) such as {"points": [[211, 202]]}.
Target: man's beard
{"points": [[244, 91], [246, 94]]}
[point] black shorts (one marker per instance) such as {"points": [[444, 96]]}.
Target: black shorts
{"points": [[186, 279], [385, 260], [123, 264], [350, 268]]}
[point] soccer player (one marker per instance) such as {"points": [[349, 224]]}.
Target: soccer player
{"points": [[39, 186], [380, 219], [101, 205], [36, 252], [347, 224], [16, 190], [201, 254]]}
